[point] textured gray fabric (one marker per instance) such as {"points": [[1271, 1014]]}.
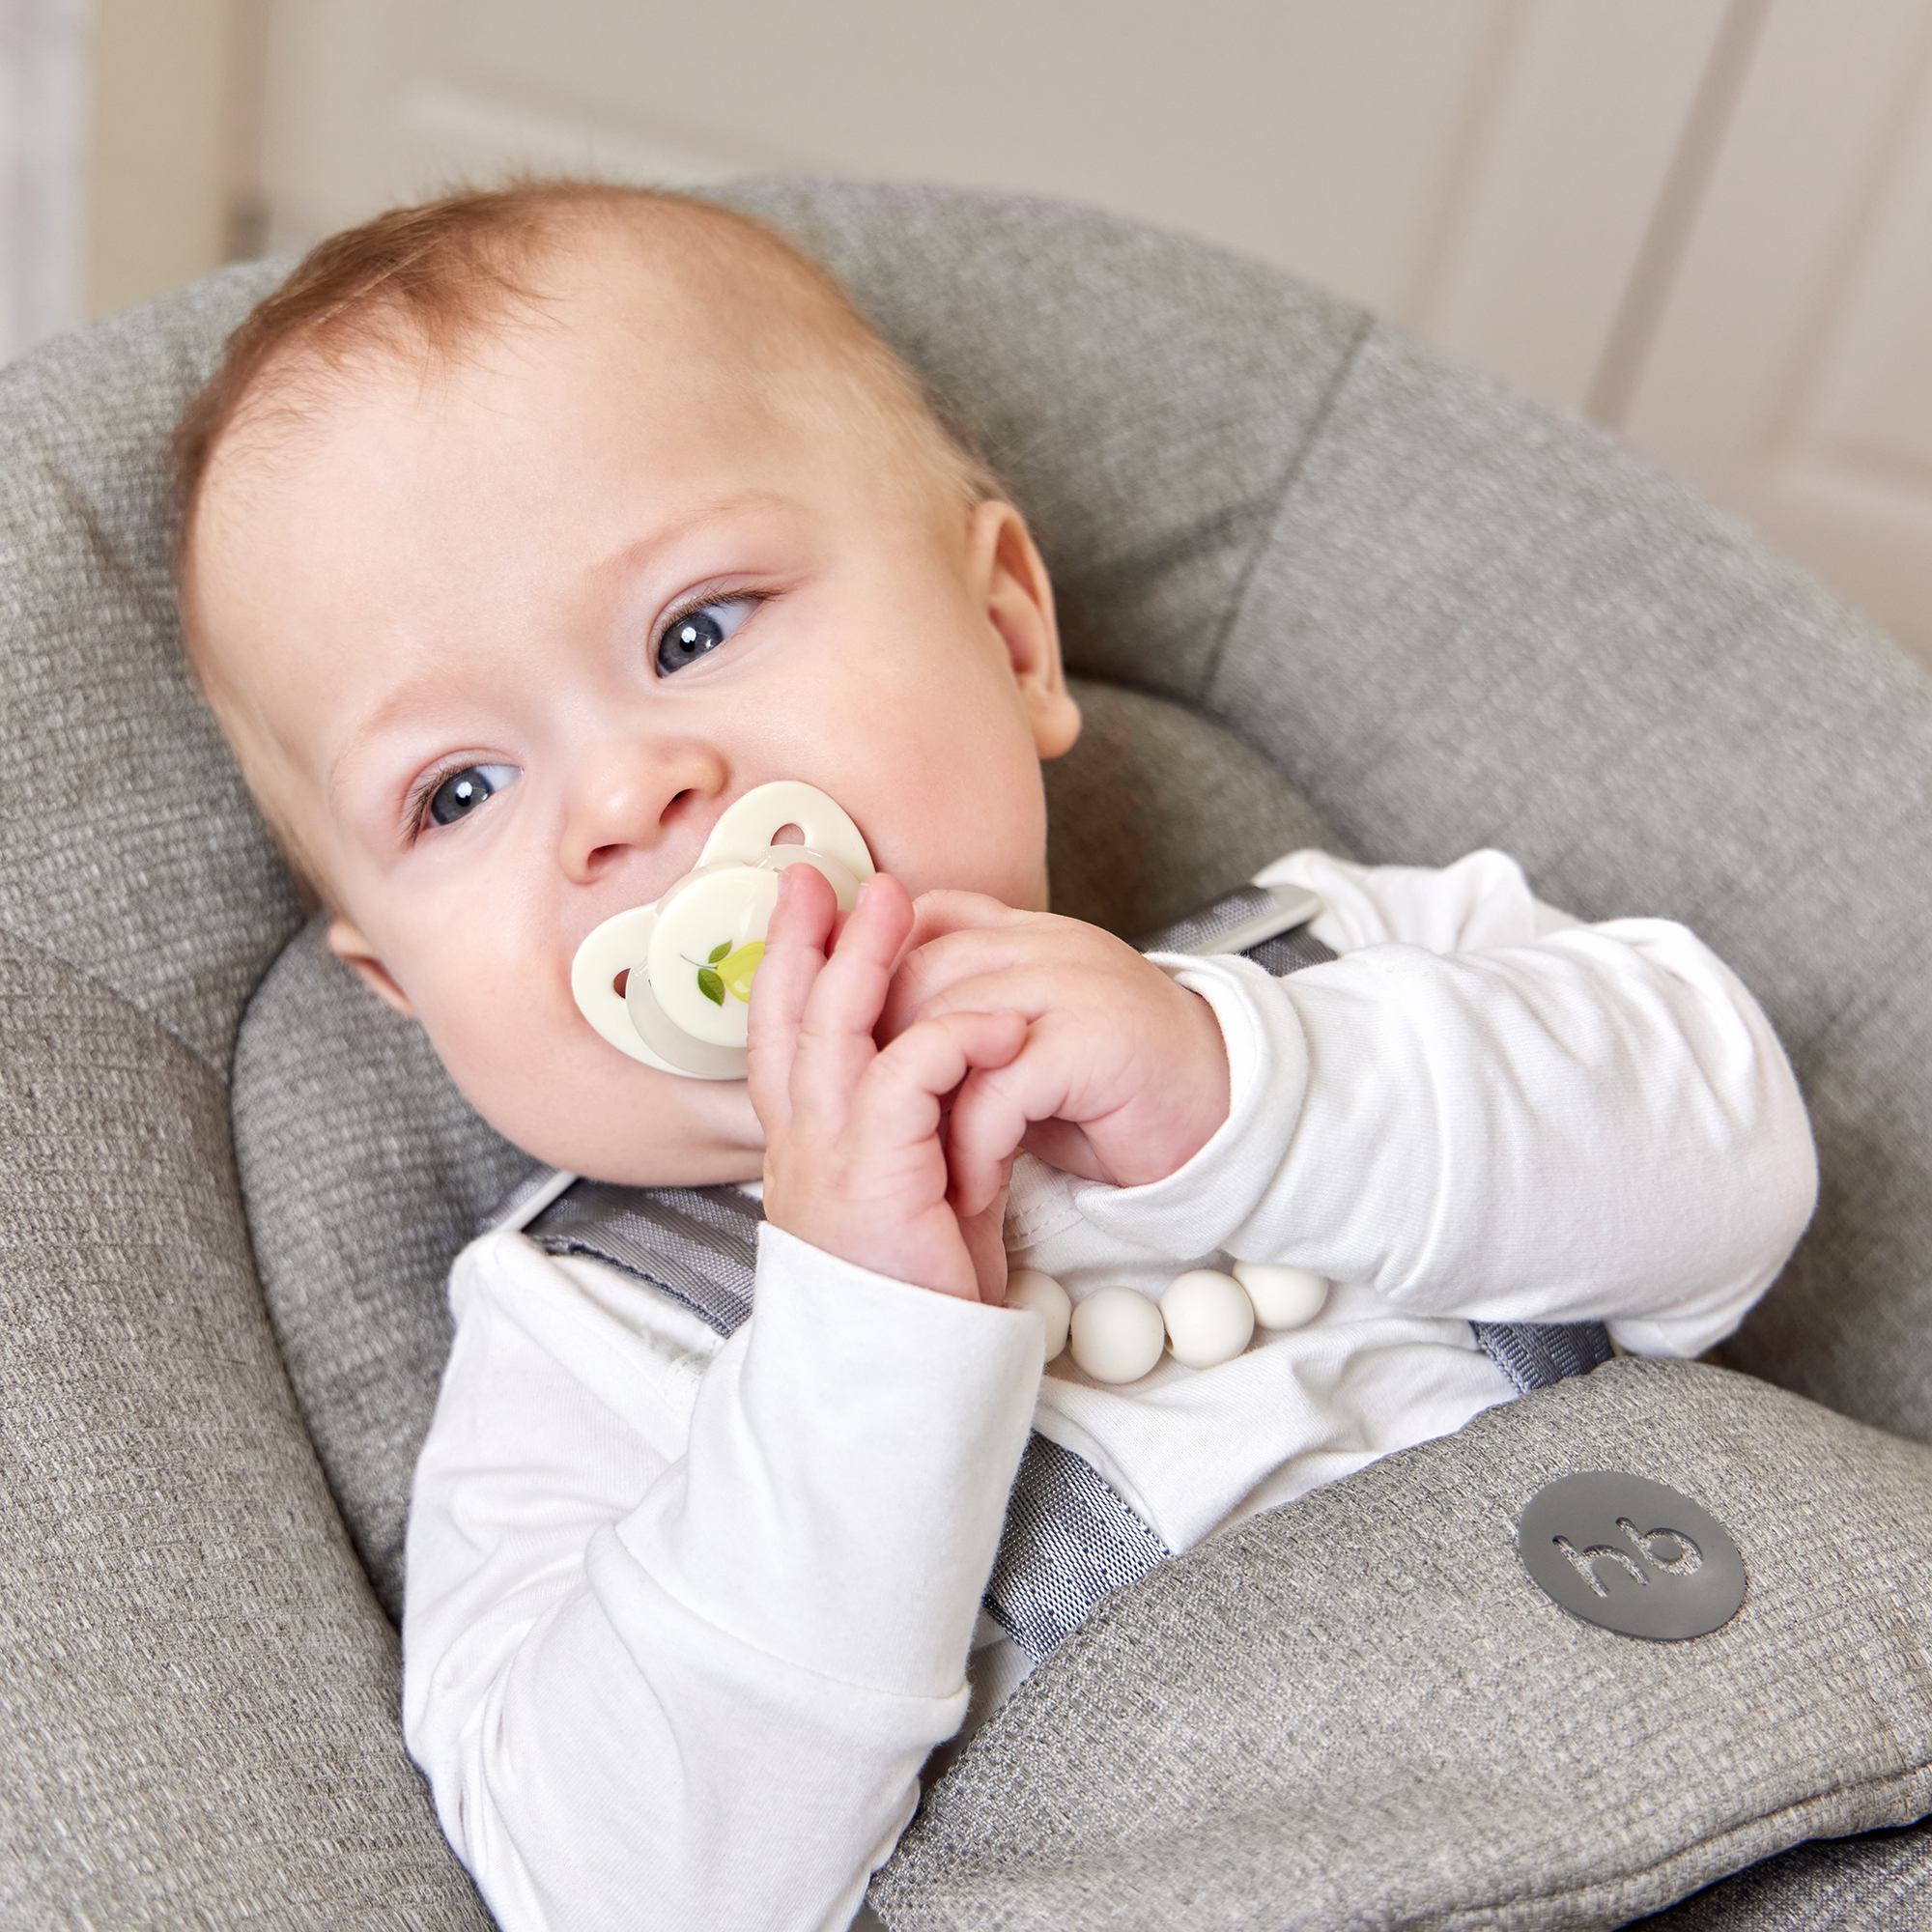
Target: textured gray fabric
{"points": [[197, 1691], [364, 1171], [1242, 921], [1069, 1540], [1359, 1711], [1476, 624], [1155, 810], [127, 844], [696, 1245], [1533, 1354], [1882, 1883]]}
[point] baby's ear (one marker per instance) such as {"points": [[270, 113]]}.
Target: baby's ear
{"points": [[1010, 574], [345, 942]]}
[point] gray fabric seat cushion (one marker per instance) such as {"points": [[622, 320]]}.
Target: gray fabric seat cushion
{"points": [[1359, 1711], [1443, 617], [197, 1688], [1836, 1884]]}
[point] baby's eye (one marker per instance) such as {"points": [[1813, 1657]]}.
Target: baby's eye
{"points": [[462, 792], [701, 630]]}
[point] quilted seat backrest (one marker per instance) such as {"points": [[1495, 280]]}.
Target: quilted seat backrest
{"points": [[197, 1688], [128, 847]]}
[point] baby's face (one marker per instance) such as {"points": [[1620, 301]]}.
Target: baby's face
{"points": [[498, 644]]}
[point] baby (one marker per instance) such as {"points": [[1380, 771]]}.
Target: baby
{"points": [[524, 533]]}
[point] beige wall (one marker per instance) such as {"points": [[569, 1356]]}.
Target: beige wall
{"points": [[1483, 170], [172, 147]]}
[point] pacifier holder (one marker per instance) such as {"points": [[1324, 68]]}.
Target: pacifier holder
{"points": [[670, 983]]}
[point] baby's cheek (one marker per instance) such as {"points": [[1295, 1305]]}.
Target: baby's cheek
{"points": [[514, 1067], [550, 1086], [992, 841]]}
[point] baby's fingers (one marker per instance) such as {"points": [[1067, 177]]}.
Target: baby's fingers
{"points": [[835, 1042], [795, 948], [990, 1115], [984, 1235], [897, 1105]]}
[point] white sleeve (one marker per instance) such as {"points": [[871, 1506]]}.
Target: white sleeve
{"points": [[682, 1622], [1484, 1109]]}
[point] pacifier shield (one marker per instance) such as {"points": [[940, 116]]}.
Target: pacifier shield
{"points": [[691, 956], [711, 918]]}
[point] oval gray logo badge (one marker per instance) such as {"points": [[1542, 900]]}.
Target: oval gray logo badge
{"points": [[1632, 1556]]}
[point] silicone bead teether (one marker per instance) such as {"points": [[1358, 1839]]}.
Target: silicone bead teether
{"points": [[1209, 1315], [1284, 1297], [1117, 1335], [1029, 1288], [686, 961]]}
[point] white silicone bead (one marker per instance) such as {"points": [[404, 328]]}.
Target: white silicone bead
{"points": [[1210, 1319], [1117, 1335], [1029, 1288], [1284, 1297]]}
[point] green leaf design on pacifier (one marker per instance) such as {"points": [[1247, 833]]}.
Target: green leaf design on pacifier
{"points": [[708, 981], [726, 968]]}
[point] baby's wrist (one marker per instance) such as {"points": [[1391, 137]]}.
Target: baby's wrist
{"points": [[868, 1235], [1191, 1089], [1213, 1085]]}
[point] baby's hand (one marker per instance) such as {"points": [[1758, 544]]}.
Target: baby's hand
{"points": [[1122, 1076], [854, 1158]]}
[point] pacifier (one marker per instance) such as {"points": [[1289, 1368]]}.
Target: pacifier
{"points": [[686, 961]]}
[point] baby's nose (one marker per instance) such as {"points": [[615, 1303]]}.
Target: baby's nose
{"points": [[662, 804]]}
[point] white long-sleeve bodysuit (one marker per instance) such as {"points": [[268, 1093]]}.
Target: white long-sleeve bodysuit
{"points": [[685, 1617]]}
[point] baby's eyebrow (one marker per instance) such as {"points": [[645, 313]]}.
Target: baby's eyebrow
{"points": [[417, 692], [406, 698], [692, 522]]}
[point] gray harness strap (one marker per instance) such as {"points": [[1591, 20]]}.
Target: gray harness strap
{"points": [[698, 1245], [1533, 1354], [1070, 1539]]}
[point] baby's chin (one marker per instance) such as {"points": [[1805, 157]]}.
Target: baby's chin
{"points": [[653, 1130]]}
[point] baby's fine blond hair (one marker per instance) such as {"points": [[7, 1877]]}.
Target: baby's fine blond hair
{"points": [[427, 281]]}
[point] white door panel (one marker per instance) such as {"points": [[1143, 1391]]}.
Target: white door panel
{"points": [[1791, 369], [1584, 110]]}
